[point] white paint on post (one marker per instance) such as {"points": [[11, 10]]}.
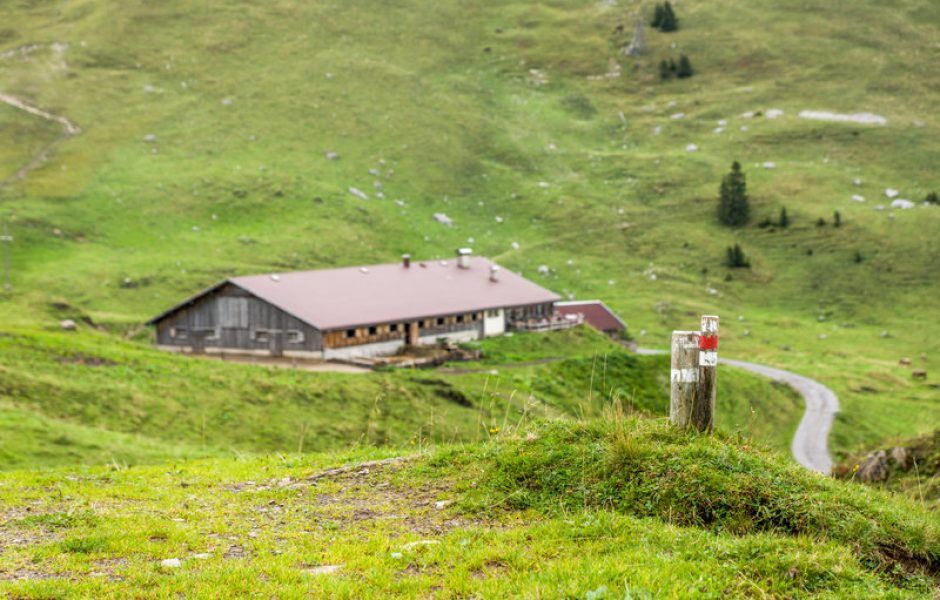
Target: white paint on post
{"points": [[683, 376]]}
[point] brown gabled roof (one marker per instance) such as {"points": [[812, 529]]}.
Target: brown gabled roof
{"points": [[353, 296], [595, 312]]}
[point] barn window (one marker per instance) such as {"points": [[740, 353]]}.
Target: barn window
{"points": [[393, 327], [350, 333], [179, 333], [421, 324], [210, 334], [295, 336], [373, 330], [460, 318], [440, 320], [493, 312], [262, 336]]}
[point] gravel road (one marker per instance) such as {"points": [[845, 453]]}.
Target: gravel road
{"points": [[810, 442]]}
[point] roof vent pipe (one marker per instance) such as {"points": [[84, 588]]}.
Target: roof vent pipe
{"points": [[494, 273], [406, 260], [463, 257]]}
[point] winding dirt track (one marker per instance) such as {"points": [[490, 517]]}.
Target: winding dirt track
{"points": [[70, 128], [810, 446]]}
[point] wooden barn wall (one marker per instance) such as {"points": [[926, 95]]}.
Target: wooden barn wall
{"points": [[230, 317]]}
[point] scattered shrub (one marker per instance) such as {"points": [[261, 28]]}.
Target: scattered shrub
{"points": [[820, 222], [685, 67], [857, 258], [784, 221], [836, 219], [932, 198], [735, 258]]}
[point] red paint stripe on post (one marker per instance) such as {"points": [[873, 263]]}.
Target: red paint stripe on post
{"points": [[708, 342]]}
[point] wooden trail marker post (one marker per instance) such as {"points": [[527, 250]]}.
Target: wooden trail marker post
{"points": [[693, 376]]}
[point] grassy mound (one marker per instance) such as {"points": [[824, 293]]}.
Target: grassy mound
{"points": [[627, 509], [647, 468]]}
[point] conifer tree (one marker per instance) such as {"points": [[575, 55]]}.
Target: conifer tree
{"points": [[735, 258], [685, 67], [784, 218], [669, 22], [733, 207], [836, 219], [657, 16]]}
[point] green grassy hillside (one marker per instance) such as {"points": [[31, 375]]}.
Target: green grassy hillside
{"points": [[86, 399], [205, 130], [618, 508]]}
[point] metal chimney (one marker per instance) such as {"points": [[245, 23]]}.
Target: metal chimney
{"points": [[463, 257], [494, 273], [406, 260]]}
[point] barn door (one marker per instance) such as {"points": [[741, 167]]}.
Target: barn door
{"points": [[277, 342]]}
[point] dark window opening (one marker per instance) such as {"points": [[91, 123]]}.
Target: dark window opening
{"points": [[393, 327], [440, 320], [373, 330], [350, 333], [460, 318]]}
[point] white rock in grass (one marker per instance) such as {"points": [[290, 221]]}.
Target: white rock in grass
{"points": [[67, 325], [150, 138], [610, 282], [691, 148], [902, 204], [149, 89], [748, 115], [773, 113], [744, 128], [770, 165], [543, 269], [358, 193], [202, 556], [718, 129], [419, 543], [323, 569], [657, 130], [171, 563], [544, 184], [856, 182], [374, 172], [442, 504], [722, 123], [678, 115], [332, 155], [400, 203], [380, 195], [443, 219], [515, 245], [880, 207], [226, 101], [499, 219], [891, 193], [858, 198]]}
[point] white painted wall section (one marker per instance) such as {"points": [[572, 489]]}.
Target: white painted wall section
{"points": [[454, 337], [494, 325], [364, 350]]}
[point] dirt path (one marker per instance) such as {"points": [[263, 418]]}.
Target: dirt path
{"points": [[70, 129], [810, 446]]}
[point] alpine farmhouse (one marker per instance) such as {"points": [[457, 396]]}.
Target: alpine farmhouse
{"points": [[358, 311]]}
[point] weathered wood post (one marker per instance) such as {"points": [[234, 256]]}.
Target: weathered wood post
{"points": [[703, 414], [693, 376], [683, 376]]}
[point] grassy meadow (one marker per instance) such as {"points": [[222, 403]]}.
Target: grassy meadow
{"points": [[621, 507], [205, 130]]}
